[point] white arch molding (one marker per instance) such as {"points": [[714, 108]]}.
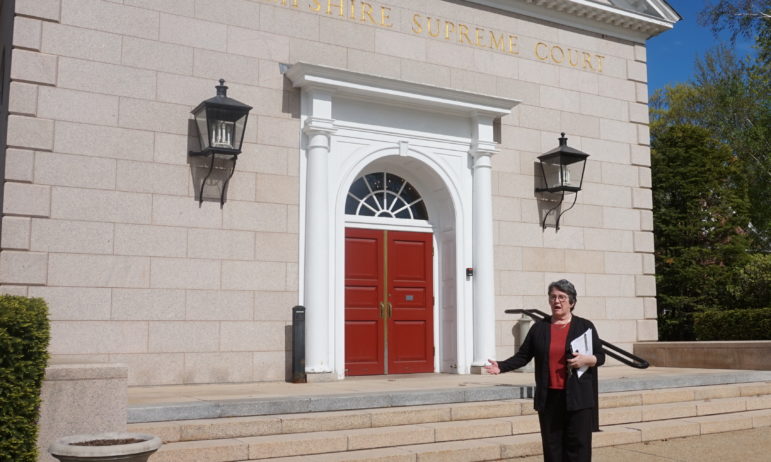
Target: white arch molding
{"points": [[441, 141]]}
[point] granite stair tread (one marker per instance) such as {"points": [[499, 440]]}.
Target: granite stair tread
{"points": [[174, 403], [489, 430], [485, 449], [462, 440], [620, 408]]}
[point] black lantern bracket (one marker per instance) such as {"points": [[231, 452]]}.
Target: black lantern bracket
{"points": [[562, 172], [212, 156], [221, 123]]}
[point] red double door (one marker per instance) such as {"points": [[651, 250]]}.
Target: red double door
{"points": [[389, 320]]}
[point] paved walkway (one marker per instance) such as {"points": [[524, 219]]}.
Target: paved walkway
{"points": [[738, 446], [676, 377], [184, 402]]}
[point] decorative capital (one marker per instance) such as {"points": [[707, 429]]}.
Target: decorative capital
{"points": [[482, 149], [319, 126]]}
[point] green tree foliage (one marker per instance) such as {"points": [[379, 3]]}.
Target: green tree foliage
{"points": [[731, 98], [711, 162], [751, 285], [740, 92], [745, 18], [700, 217], [727, 99]]}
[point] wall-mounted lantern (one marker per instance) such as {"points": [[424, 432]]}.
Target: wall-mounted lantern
{"points": [[562, 169], [221, 122]]}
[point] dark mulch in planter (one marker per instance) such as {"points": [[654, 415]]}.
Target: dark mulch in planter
{"points": [[108, 442]]}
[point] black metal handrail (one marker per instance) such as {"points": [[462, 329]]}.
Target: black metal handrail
{"points": [[611, 350]]}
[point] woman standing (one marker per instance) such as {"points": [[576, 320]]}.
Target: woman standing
{"points": [[565, 395]]}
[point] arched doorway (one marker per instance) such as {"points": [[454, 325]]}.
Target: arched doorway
{"points": [[399, 205], [439, 140], [389, 290]]}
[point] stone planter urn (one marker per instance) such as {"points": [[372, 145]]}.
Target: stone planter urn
{"points": [[103, 447]]}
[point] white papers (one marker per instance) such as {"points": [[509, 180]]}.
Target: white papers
{"points": [[582, 345]]}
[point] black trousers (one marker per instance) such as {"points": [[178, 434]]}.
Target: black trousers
{"points": [[566, 435]]}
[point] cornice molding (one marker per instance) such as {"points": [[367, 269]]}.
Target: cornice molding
{"points": [[398, 92], [593, 16]]}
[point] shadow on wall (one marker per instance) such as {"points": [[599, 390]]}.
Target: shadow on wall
{"points": [[290, 99], [549, 205], [210, 176]]}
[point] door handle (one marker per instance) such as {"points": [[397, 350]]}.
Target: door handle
{"points": [[382, 310], [390, 310]]}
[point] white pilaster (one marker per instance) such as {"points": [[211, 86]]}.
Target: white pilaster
{"points": [[318, 355], [482, 149]]}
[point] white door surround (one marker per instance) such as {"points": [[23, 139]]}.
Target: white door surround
{"points": [[439, 140]]}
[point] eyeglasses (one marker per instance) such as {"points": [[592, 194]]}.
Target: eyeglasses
{"points": [[562, 298]]}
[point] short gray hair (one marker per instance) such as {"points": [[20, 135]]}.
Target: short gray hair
{"points": [[563, 285]]}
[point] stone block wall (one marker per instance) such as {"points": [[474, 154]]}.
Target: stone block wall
{"points": [[79, 399], [742, 355], [100, 216], [605, 243]]}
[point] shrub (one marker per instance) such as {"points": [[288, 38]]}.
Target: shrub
{"points": [[24, 335], [752, 282], [748, 324]]}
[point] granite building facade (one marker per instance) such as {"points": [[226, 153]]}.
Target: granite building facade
{"points": [[387, 179]]}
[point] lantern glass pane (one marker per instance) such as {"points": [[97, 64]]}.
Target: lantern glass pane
{"points": [[238, 133], [203, 132], [552, 174], [572, 173]]}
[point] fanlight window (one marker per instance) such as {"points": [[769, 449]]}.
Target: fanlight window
{"points": [[385, 195]]}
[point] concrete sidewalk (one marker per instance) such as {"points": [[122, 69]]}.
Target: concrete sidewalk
{"points": [[738, 446]]}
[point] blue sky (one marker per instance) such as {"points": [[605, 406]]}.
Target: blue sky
{"points": [[672, 54]]}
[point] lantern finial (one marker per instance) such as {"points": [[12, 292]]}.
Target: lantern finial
{"points": [[222, 90]]}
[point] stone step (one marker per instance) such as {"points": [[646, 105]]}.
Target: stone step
{"points": [[616, 408], [675, 410], [147, 406], [234, 427], [672, 395], [213, 408], [501, 448], [439, 437]]}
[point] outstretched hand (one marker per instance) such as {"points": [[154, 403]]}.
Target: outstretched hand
{"points": [[492, 368]]}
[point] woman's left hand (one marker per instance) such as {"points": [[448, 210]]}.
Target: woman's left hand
{"points": [[578, 361]]}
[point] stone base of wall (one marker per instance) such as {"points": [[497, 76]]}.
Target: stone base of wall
{"points": [[750, 355], [320, 377], [81, 399]]}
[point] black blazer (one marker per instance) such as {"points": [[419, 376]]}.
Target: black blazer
{"points": [[581, 393]]}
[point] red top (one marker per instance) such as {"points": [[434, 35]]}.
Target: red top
{"points": [[557, 358]]}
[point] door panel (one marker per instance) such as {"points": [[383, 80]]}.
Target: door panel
{"points": [[364, 327], [409, 353], [410, 292]]}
